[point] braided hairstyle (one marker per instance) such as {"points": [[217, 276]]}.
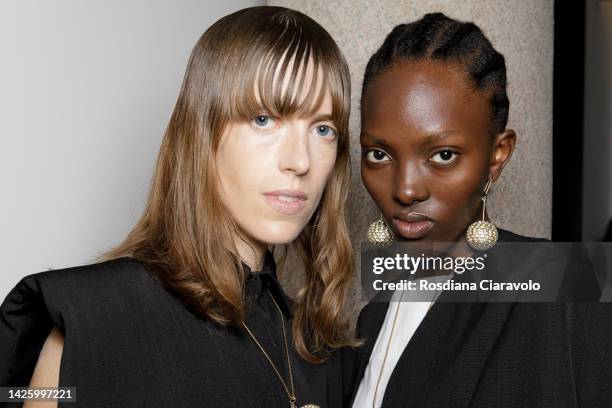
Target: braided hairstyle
{"points": [[437, 37]]}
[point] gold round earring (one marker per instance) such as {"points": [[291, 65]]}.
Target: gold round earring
{"points": [[482, 235], [379, 232]]}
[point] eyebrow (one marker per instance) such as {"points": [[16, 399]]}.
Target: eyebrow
{"points": [[322, 118], [430, 138], [376, 140], [435, 137]]}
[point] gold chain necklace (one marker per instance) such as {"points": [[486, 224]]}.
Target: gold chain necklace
{"points": [[290, 394], [382, 368]]}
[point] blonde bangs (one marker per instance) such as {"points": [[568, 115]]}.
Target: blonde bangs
{"points": [[290, 77]]}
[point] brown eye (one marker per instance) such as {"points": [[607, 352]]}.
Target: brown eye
{"points": [[444, 157], [377, 156]]}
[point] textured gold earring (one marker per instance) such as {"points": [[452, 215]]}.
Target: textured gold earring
{"points": [[482, 235], [379, 232]]}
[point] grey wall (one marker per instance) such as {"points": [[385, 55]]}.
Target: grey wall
{"points": [[87, 88], [520, 29], [597, 154]]}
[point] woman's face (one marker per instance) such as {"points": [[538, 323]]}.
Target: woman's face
{"points": [[427, 149], [273, 172]]}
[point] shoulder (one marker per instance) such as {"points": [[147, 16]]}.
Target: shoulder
{"points": [[543, 251], [371, 318], [92, 280], [518, 250], [522, 249], [84, 302], [564, 267], [120, 270], [75, 290], [509, 236]]}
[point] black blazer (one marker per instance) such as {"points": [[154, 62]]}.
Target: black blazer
{"points": [[498, 354], [130, 343]]}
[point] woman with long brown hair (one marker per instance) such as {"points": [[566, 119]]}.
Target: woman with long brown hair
{"points": [[188, 309]]}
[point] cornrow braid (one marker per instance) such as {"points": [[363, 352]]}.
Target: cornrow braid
{"points": [[440, 38]]}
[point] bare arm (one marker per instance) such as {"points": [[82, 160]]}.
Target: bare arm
{"points": [[46, 372]]}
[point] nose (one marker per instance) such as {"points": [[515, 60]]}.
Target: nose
{"points": [[409, 185], [295, 152]]}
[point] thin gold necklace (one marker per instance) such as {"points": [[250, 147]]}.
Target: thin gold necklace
{"points": [[290, 394], [382, 368]]}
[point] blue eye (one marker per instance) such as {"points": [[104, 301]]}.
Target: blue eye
{"points": [[325, 131], [263, 122]]}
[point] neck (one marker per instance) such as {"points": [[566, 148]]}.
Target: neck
{"points": [[251, 252]]}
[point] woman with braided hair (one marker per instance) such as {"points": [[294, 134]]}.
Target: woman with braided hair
{"points": [[434, 110]]}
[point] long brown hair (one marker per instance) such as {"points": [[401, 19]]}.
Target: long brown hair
{"points": [[185, 235]]}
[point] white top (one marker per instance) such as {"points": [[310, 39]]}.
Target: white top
{"points": [[409, 317]]}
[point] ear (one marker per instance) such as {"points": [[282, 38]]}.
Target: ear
{"points": [[501, 152]]}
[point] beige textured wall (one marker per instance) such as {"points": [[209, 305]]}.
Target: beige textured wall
{"points": [[522, 30]]}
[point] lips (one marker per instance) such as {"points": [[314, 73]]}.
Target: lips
{"points": [[288, 202], [412, 225]]}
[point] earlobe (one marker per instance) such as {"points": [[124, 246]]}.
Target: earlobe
{"points": [[502, 151]]}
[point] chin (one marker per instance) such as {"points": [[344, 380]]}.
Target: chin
{"points": [[278, 233]]}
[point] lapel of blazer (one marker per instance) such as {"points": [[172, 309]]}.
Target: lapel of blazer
{"points": [[444, 358], [369, 324]]}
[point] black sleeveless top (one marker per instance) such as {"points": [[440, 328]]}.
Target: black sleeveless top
{"points": [[130, 342]]}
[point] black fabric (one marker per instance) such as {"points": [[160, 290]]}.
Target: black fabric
{"points": [[130, 343], [499, 354]]}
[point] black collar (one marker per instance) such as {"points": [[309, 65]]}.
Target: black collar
{"points": [[268, 281]]}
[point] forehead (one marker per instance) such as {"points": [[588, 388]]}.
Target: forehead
{"points": [[418, 98]]}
